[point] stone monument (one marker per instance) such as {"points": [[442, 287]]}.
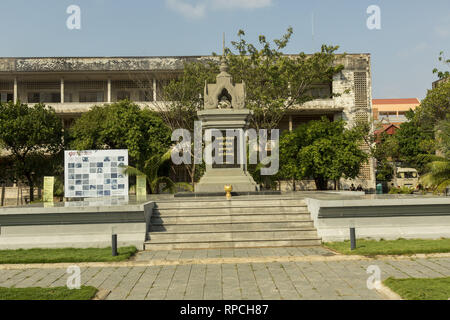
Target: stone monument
{"points": [[225, 114]]}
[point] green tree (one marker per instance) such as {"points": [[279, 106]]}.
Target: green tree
{"points": [[442, 74], [153, 172], [277, 82], [324, 151], [183, 98], [438, 171], [290, 144], [385, 153], [415, 143], [435, 107], [33, 136], [122, 125]]}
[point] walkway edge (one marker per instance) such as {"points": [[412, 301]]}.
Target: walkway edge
{"points": [[240, 260], [388, 293]]}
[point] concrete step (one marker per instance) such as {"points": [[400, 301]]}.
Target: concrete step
{"points": [[231, 210], [238, 223], [186, 204], [227, 218], [231, 227], [233, 244], [167, 237]]}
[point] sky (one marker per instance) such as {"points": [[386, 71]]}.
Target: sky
{"points": [[404, 49]]}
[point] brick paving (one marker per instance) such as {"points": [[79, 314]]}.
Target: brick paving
{"points": [[286, 280]]}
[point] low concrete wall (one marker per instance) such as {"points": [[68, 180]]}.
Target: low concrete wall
{"points": [[80, 227], [13, 196], [413, 218]]}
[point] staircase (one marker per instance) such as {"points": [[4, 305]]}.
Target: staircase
{"points": [[217, 223]]}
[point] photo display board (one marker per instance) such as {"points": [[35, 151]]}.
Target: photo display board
{"points": [[95, 173]]}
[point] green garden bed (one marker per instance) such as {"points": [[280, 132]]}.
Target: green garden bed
{"points": [[391, 247], [420, 289], [64, 255], [59, 293]]}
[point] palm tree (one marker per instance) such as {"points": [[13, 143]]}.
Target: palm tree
{"points": [[438, 176], [438, 171], [151, 171]]}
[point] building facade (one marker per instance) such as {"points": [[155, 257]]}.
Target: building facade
{"points": [[393, 110], [73, 85], [440, 82]]}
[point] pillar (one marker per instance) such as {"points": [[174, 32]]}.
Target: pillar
{"points": [[109, 91], [290, 123], [154, 89], [15, 90], [62, 90]]}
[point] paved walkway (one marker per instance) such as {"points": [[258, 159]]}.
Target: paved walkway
{"points": [[286, 273]]}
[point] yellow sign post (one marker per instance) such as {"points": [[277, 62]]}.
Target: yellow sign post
{"points": [[49, 183], [141, 188]]}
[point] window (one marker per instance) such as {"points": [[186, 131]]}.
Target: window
{"points": [[68, 122], [361, 100], [407, 175], [160, 85], [320, 91], [91, 96], [34, 97], [68, 97], [37, 97], [123, 95], [145, 95], [6, 96]]}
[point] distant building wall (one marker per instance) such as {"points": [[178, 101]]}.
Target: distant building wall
{"points": [[393, 110]]}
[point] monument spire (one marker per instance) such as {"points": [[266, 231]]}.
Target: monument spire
{"points": [[223, 63], [223, 45]]}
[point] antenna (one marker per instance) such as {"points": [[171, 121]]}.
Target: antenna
{"points": [[312, 28], [223, 44]]}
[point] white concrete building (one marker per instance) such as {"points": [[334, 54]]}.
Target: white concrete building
{"points": [[73, 85]]}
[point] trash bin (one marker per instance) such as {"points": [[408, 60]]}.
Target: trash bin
{"points": [[379, 188]]}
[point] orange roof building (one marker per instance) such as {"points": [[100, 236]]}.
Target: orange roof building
{"points": [[393, 110], [389, 129]]}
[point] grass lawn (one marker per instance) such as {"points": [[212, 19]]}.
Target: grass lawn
{"points": [[420, 289], [391, 247], [64, 255], [59, 293]]}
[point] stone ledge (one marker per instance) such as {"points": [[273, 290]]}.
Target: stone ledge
{"points": [[222, 194]]}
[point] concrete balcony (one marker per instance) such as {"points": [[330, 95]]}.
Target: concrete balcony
{"points": [[80, 107]]}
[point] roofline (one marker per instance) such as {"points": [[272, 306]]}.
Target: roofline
{"points": [[399, 100], [156, 57]]}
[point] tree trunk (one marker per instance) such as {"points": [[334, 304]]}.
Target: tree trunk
{"points": [[193, 176], [31, 186], [321, 183], [293, 185]]}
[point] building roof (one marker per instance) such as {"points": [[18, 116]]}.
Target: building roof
{"points": [[385, 128], [106, 64], [396, 101]]}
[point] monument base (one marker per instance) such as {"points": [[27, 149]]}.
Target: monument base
{"points": [[215, 181], [221, 194]]}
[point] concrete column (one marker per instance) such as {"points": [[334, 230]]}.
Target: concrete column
{"points": [[290, 123], [62, 90], [154, 89], [109, 91], [15, 90]]}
